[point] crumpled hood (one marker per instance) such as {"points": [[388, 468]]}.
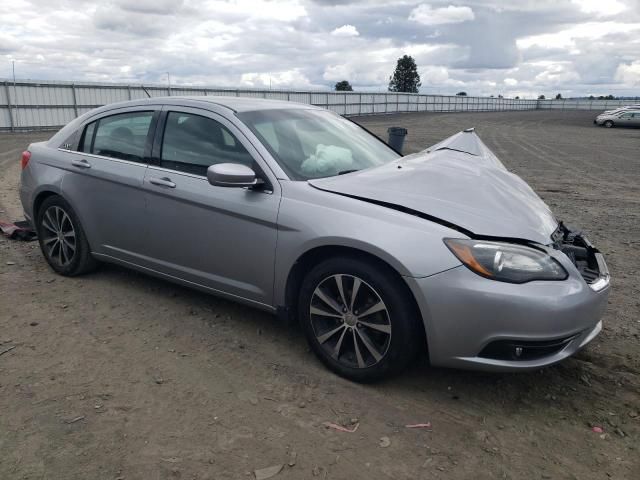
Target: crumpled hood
{"points": [[459, 181]]}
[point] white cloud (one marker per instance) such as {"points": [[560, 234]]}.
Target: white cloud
{"points": [[601, 7], [289, 78], [433, 75], [556, 74], [345, 31], [427, 15], [511, 82], [568, 37], [629, 73]]}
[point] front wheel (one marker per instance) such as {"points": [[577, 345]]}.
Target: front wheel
{"points": [[358, 318], [608, 124], [62, 239]]}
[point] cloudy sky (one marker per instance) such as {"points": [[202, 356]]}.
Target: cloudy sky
{"points": [[489, 47]]}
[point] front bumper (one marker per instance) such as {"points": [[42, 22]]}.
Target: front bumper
{"points": [[475, 323]]}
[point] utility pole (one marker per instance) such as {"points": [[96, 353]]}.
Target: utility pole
{"points": [[168, 83], [15, 92]]}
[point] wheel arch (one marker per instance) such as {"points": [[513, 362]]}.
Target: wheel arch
{"points": [[314, 256], [40, 198]]}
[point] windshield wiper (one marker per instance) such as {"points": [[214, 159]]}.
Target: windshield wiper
{"points": [[342, 172]]}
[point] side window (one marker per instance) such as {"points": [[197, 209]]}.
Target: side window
{"points": [[191, 143], [120, 136]]}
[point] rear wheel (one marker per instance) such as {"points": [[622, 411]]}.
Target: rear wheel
{"points": [[62, 239], [608, 124], [358, 318]]}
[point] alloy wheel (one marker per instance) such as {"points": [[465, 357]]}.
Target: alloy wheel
{"points": [[58, 236], [350, 321]]}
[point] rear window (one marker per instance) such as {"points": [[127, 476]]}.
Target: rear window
{"points": [[121, 136]]}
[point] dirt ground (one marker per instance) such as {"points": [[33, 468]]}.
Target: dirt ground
{"points": [[116, 375]]}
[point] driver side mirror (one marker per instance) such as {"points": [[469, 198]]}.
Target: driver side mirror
{"points": [[231, 175]]}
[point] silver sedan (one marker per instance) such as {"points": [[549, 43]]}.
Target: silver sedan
{"points": [[300, 212]]}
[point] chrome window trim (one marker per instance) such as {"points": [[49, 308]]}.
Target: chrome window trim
{"points": [[186, 174], [93, 155]]}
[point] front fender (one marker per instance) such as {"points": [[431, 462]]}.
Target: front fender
{"points": [[310, 218]]}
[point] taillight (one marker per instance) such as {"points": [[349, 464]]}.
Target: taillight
{"points": [[24, 161]]}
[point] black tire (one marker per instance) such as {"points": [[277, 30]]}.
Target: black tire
{"points": [[399, 316], [608, 124], [72, 256]]}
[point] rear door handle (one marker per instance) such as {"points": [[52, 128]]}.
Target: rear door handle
{"points": [[162, 182], [81, 163]]}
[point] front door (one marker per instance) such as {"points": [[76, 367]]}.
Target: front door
{"points": [[220, 237]]}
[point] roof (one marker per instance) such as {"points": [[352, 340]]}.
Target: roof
{"points": [[237, 104]]}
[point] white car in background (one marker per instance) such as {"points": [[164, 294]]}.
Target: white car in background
{"points": [[626, 117]]}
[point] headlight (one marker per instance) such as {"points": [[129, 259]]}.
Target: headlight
{"points": [[506, 262]]}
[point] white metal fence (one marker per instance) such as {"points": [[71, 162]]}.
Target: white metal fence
{"points": [[42, 105]]}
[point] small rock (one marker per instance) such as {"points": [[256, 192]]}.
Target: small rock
{"points": [[384, 442], [34, 324], [633, 414], [264, 473], [316, 471], [585, 380], [302, 405], [292, 458], [159, 380], [11, 263]]}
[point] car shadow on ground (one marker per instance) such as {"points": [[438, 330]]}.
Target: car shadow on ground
{"points": [[479, 391]]}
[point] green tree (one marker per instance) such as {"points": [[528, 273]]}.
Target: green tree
{"points": [[405, 78], [462, 94], [559, 96], [343, 86], [517, 98], [541, 97]]}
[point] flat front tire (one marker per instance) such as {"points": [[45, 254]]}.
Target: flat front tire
{"points": [[62, 239], [359, 318]]}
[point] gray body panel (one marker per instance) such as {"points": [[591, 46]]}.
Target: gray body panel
{"points": [[243, 243], [472, 191]]}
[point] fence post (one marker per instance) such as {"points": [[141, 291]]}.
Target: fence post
{"points": [[11, 113], [129, 91], [75, 101]]}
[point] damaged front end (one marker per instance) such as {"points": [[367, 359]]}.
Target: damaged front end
{"points": [[587, 259]]}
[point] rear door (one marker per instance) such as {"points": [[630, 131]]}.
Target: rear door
{"points": [[105, 184], [219, 237], [625, 119]]}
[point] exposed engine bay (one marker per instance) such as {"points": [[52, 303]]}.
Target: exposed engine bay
{"points": [[586, 258]]}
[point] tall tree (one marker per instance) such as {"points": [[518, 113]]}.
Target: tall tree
{"points": [[343, 86], [405, 78], [559, 96]]}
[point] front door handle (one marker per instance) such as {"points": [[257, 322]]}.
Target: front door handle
{"points": [[162, 182], [81, 163]]}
